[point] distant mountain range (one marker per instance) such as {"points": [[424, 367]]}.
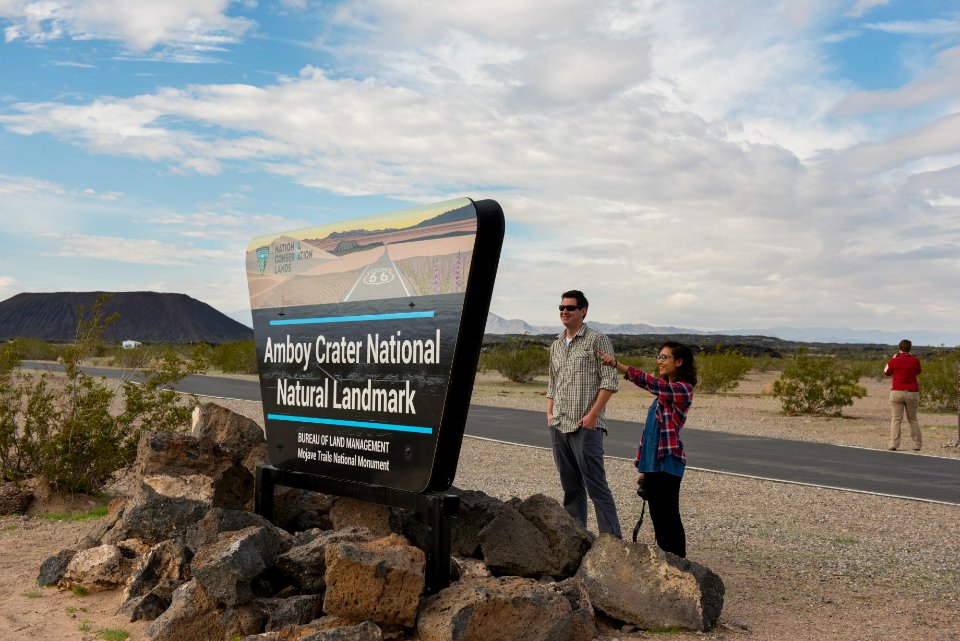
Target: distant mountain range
{"points": [[499, 325], [148, 317]]}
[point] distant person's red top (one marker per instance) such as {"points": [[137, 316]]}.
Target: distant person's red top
{"points": [[904, 369]]}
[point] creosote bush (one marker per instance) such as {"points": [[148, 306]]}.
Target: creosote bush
{"points": [[817, 385], [239, 357], [66, 433], [721, 371], [938, 380], [518, 359]]}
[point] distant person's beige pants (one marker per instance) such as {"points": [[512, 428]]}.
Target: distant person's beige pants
{"points": [[901, 402]]}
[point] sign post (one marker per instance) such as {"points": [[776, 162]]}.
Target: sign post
{"points": [[368, 333]]}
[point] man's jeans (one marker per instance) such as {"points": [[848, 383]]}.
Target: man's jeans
{"points": [[579, 459]]}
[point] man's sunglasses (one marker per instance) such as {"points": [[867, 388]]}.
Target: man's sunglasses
{"points": [[569, 308]]}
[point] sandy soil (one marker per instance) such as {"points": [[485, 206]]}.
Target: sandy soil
{"points": [[798, 562]]}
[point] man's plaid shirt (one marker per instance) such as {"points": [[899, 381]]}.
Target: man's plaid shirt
{"points": [[577, 375]]}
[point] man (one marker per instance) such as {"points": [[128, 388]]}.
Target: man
{"points": [[904, 394], [577, 393]]}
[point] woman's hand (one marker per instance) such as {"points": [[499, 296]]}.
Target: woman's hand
{"points": [[640, 478], [607, 359]]}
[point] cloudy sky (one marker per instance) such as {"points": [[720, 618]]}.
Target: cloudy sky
{"points": [[703, 164]]}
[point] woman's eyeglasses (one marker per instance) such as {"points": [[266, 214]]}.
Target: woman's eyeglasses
{"points": [[569, 308], [663, 357]]}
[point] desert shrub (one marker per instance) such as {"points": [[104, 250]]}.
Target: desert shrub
{"points": [[143, 356], [938, 380], [239, 357], [721, 371], [9, 357], [152, 402], [646, 363], [865, 367], [34, 349], [136, 358], [768, 363], [816, 385], [68, 436], [517, 359]]}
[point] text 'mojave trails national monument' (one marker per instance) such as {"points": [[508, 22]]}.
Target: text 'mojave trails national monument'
{"points": [[368, 333]]}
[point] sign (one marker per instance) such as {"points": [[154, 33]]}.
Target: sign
{"points": [[368, 333]]}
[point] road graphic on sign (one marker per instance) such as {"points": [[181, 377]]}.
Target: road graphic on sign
{"points": [[380, 279]]}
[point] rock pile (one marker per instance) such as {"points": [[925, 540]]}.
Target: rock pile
{"points": [[193, 559]]}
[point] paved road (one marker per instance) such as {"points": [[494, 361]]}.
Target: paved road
{"points": [[877, 471], [380, 279], [849, 468]]}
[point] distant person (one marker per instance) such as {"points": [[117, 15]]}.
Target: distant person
{"points": [[661, 459], [904, 367], [577, 393]]}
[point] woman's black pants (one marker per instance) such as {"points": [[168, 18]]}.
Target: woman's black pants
{"points": [[663, 495]]}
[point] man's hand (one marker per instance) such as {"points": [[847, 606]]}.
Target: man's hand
{"points": [[589, 421]]}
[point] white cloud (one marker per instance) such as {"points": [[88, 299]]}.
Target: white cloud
{"points": [[916, 150], [200, 219], [939, 83], [139, 251], [681, 299], [12, 186], [74, 64], [8, 287], [934, 27], [584, 70], [862, 7], [502, 20], [140, 26]]}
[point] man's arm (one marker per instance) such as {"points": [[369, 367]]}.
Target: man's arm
{"points": [[609, 376], [550, 391]]}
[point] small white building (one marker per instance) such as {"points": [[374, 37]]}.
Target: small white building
{"points": [[131, 344]]}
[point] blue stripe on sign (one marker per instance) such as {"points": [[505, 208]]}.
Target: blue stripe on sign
{"points": [[369, 426], [353, 319]]}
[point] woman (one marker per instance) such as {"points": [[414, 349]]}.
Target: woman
{"points": [[661, 459]]}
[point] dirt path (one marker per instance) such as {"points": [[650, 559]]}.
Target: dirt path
{"points": [[31, 612]]}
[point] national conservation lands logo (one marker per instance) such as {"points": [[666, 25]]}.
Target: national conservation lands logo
{"points": [[263, 253], [285, 252]]}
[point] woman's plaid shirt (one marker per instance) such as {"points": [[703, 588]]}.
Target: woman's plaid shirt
{"points": [[673, 401], [577, 375]]}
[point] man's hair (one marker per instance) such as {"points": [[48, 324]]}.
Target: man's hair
{"points": [[576, 293], [905, 346]]}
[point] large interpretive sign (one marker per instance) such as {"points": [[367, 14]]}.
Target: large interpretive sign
{"points": [[368, 333]]}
